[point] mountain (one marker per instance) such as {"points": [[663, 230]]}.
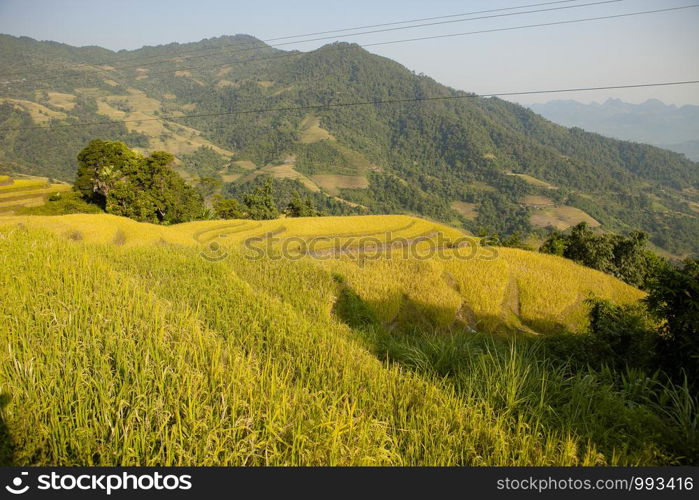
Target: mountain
{"points": [[485, 164], [665, 125]]}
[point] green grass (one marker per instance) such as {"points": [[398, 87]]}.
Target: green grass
{"points": [[148, 354]]}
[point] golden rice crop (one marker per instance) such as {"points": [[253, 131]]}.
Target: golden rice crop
{"points": [[126, 343]]}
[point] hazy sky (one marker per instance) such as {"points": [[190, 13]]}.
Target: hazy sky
{"points": [[641, 49]]}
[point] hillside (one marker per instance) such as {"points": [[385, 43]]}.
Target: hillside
{"points": [[154, 346], [471, 162], [668, 126]]}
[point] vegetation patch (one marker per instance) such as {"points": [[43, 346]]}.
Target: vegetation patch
{"points": [[61, 100], [533, 181], [310, 131], [561, 217], [39, 113], [468, 210], [333, 183], [162, 134], [537, 201]]}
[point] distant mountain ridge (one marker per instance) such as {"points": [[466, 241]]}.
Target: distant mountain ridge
{"points": [[485, 164], [665, 125]]}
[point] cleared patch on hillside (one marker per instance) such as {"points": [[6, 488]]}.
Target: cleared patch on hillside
{"points": [[282, 90], [226, 83], [188, 74], [561, 217], [482, 186], [60, 100], [310, 131], [468, 210], [284, 171], [230, 177], [356, 159], [246, 164], [533, 181], [333, 183], [92, 91], [162, 134], [265, 84], [534, 200], [39, 113]]}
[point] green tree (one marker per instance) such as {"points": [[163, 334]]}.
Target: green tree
{"points": [[674, 300], [260, 202], [301, 207], [230, 209], [128, 184], [626, 257], [622, 335], [555, 244], [99, 165], [208, 186]]}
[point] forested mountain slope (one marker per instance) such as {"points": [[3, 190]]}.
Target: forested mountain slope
{"points": [[487, 164]]}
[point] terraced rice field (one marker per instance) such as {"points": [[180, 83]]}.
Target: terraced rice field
{"points": [[136, 344], [25, 192], [397, 265]]}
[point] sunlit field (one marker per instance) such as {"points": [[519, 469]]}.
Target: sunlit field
{"points": [[133, 344]]}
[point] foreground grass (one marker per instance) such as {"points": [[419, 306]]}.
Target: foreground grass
{"points": [[153, 355]]}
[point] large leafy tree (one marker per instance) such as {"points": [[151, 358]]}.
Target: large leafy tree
{"points": [[626, 257], [126, 183], [674, 300], [261, 203]]}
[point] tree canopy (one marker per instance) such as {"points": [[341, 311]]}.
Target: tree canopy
{"points": [[626, 257], [145, 188]]}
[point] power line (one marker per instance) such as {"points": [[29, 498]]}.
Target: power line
{"points": [[360, 103], [417, 20], [314, 34], [539, 25], [110, 72], [479, 32]]}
